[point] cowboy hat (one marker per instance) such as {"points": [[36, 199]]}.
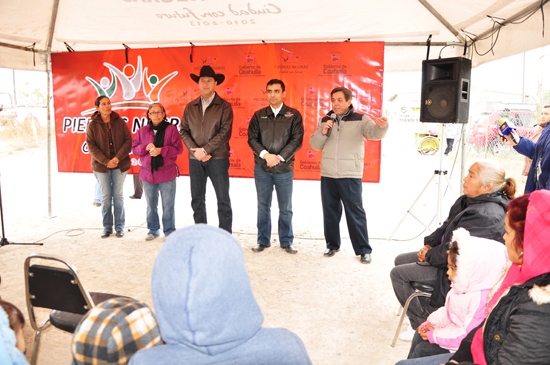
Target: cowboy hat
{"points": [[207, 71]]}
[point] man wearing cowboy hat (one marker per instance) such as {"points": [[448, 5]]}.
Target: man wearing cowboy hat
{"points": [[206, 130]]}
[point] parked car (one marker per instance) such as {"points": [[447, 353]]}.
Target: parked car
{"points": [[484, 134], [8, 113]]}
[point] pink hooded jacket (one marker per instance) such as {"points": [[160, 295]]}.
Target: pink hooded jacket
{"points": [[479, 266]]}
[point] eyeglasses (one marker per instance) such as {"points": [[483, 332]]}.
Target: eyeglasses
{"points": [[156, 113]]}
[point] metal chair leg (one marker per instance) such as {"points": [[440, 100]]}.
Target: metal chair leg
{"points": [[416, 293], [35, 347]]}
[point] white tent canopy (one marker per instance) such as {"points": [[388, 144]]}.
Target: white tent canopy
{"points": [[404, 25]]}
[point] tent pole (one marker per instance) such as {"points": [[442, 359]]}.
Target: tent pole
{"points": [[49, 74], [442, 20], [49, 133]]}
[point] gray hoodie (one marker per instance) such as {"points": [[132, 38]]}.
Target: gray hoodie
{"points": [[205, 308]]}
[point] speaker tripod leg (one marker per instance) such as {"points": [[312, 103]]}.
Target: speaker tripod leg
{"points": [[412, 206]]}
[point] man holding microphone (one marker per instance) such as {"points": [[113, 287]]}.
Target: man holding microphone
{"points": [[340, 135]]}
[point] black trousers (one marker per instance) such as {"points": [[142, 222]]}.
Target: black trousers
{"points": [[334, 193]]}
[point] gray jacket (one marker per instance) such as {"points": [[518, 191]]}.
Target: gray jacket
{"points": [[344, 150]]}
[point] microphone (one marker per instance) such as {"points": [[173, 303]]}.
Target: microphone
{"points": [[507, 128], [334, 120]]}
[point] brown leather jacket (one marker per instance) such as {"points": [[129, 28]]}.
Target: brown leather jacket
{"points": [[98, 142], [211, 132]]}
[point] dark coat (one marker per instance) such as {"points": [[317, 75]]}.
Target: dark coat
{"points": [[518, 329], [97, 140], [211, 131], [483, 216], [281, 135]]}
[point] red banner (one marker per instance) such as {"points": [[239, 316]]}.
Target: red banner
{"points": [[309, 70]]}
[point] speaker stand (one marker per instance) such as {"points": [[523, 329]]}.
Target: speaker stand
{"points": [[4, 241], [440, 174]]}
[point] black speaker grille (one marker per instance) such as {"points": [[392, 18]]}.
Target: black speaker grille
{"points": [[440, 101]]}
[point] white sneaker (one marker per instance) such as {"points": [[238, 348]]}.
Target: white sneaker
{"points": [[407, 335]]}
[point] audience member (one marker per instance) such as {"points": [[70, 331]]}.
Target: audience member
{"points": [[481, 211], [475, 265], [205, 307], [517, 327], [113, 331], [12, 342]]}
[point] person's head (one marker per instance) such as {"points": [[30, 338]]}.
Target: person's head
{"points": [[474, 263], [113, 331], [103, 105], [544, 116], [275, 92], [341, 100], [515, 228], [17, 322], [201, 291], [156, 113], [207, 79], [487, 176], [451, 261], [207, 86]]}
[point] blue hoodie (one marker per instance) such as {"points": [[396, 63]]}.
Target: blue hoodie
{"points": [[205, 307], [9, 354]]}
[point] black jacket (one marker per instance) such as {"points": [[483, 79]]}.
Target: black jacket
{"points": [[483, 216], [518, 329], [282, 136]]}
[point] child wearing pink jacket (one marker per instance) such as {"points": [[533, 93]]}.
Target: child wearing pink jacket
{"points": [[475, 265]]}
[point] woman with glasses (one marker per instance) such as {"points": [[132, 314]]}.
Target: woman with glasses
{"points": [[158, 144], [109, 142]]}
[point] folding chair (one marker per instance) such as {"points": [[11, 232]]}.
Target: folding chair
{"points": [[420, 290], [61, 290]]}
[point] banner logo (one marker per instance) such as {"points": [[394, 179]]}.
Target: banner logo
{"points": [[131, 79]]}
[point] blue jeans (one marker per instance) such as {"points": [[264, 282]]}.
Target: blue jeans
{"points": [[112, 185], [334, 192], [218, 172], [97, 192], [265, 182], [430, 360], [168, 195]]}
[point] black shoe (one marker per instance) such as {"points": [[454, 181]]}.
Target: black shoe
{"points": [[135, 197], [366, 259], [120, 234], [330, 252], [258, 248], [105, 234], [290, 249]]}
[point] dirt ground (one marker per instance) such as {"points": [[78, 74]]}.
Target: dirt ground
{"points": [[342, 310]]}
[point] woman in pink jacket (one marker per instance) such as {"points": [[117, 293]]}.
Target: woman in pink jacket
{"points": [[158, 144], [475, 265]]}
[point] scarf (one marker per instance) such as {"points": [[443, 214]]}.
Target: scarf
{"points": [[158, 161]]}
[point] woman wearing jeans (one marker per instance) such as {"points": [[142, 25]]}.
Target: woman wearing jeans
{"points": [[109, 142], [158, 144]]}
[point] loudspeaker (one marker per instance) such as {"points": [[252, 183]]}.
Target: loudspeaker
{"points": [[445, 96]]}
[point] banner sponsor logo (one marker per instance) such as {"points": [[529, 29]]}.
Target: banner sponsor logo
{"points": [[131, 79]]}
